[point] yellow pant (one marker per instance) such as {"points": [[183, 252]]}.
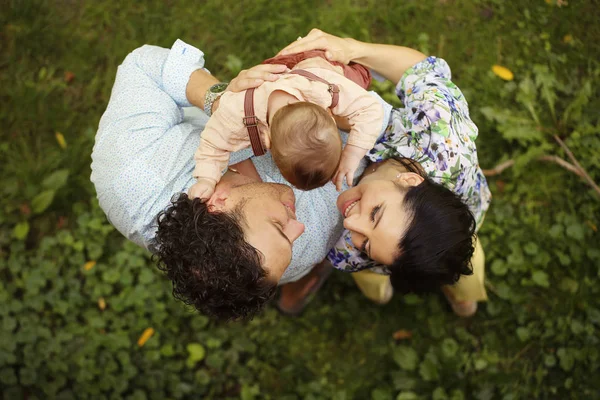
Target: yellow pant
{"points": [[378, 288]]}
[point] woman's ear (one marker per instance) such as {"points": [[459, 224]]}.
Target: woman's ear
{"points": [[409, 179], [218, 200]]}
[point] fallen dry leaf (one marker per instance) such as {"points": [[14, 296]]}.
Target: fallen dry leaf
{"points": [[89, 265], [62, 221], [101, 303], [402, 334], [25, 210], [61, 140], [148, 332], [69, 76], [503, 72]]}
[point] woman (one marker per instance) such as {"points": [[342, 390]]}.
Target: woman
{"points": [[410, 221]]}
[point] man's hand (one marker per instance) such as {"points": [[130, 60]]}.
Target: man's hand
{"points": [[351, 157], [202, 189], [253, 77], [200, 81], [256, 76]]}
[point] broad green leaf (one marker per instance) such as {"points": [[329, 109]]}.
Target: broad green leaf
{"points": [[531, 248], [202, 377], [56, 180], [549, 360], [564, 259], [457, 394], [412, 299], [576, 231], [249, 392], [449, 347], [566, 357], [21, 230], [428, 369], [439, 394], [540, 278], [111, 275], [42, 201], [480, 364], [403, 380], [556, 231], [568, 285], [499, 267], [215, 360], [577, 327], [381, 394], [406, 357], [167, 350], [196, 352], [594, 254], [213, 343], [523, 333], [407, 396]]}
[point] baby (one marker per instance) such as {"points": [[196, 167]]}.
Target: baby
{"points": [[294, 118]]}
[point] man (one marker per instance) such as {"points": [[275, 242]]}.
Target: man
{"points": [[227, 256]]}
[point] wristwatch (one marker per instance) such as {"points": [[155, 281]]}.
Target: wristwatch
{"points": [[212, 94]]}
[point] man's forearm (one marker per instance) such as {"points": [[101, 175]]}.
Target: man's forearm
{"points": [[199, 83]]}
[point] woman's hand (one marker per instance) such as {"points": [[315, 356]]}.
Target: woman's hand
{"points": [[256, 76], [336, 48], [388, 60]]}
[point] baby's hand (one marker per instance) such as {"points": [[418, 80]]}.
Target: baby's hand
{"points": [[202, 189], [351, 157]]}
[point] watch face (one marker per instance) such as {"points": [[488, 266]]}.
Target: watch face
{"points": [[218, 88]]}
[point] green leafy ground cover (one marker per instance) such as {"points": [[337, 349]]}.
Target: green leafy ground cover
{"points": [[69, 327]]}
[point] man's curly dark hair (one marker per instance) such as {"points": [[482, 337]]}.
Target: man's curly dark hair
{"points": [[211, 265]]}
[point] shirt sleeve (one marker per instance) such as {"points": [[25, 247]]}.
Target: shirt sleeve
{"points": [[143, 120], [224, 133]]}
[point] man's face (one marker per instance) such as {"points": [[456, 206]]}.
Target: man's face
{"points": [[270, 223]]}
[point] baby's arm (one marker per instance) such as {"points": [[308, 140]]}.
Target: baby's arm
{"points": [[351, 157], [224, 134], [211, 160], [365, 117]]}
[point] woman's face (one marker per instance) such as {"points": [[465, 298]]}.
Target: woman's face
{"points": [[374, 214]]}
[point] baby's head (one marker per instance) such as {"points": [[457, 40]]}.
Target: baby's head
{"points": [[305, 144]]}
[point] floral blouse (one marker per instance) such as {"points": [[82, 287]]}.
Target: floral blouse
{"points": [[434, 129]]}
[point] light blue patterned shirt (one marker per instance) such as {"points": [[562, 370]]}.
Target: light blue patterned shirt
{"points": [[144, 150]]}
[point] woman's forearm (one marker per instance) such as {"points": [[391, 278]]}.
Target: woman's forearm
{"points": [[388, 60]]}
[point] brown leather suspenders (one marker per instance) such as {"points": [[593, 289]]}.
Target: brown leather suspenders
{"points": [[251, 121]]}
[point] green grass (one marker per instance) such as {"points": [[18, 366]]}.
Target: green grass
{"points": [[536, 338]]}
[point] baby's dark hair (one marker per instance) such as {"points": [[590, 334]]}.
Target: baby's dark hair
{"points": [[437, 246], [207, 258], [305, 144]]}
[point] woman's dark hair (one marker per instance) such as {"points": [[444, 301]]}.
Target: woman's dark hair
{"points": [[211, 265], [438, 244]]}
